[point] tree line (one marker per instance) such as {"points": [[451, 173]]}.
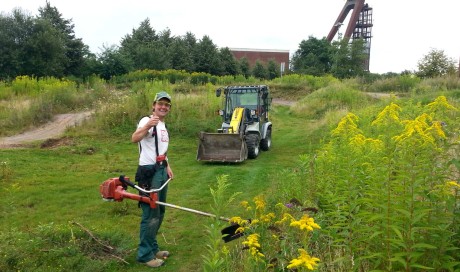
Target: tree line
{"points": [[46, 45]]}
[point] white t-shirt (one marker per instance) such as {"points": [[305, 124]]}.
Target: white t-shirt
{"points": [[147, 153]]}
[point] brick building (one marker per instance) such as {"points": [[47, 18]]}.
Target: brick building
{"points": [[263, 55]]}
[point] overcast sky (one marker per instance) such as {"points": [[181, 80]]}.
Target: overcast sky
{"points": [[404, 30]]}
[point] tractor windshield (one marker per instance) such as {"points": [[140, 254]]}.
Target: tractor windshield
{"points": [[238, 99]]}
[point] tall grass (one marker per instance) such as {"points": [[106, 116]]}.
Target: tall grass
{"points": [[33, 101], [331, 98]]}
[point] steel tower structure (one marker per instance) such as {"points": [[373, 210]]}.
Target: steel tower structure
{"points": [[359, 26]]}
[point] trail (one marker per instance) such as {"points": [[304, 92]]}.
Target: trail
{"points": [[52, 129]]}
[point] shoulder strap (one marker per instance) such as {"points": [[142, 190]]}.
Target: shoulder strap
{"points": [[154, 135]]}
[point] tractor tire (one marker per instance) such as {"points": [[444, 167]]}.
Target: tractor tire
{"points": [[266, 143], [252, 141]]}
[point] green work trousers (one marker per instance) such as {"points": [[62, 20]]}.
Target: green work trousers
{"points": [[152, 218]]}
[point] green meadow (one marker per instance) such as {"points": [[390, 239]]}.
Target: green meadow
{"points": [[361, 176]]}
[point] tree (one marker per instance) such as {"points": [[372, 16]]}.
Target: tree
{"points": [[229, 63], [207, 57], [259, 71], [15, 30], [244, 67], [113, 62], [74, 48], [314, 57], [436, 64], [349, 58], [273, 69], [45, 51], [181, 56]]}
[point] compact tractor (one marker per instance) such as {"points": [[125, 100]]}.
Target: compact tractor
{"points": [[245, 129]]}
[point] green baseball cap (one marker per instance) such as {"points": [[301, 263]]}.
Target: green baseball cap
{"points": [[161, 95]]}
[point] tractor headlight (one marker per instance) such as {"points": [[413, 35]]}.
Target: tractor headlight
{"points": [[221, 112], [253, 112]]}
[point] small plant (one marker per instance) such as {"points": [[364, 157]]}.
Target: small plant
{"points": [[6, 171], [217, 253]]}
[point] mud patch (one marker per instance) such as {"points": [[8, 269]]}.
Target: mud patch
{"points": [[53, 143]]}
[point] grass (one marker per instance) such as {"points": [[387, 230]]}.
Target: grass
{"points": [[54, 187], [50, 197]]}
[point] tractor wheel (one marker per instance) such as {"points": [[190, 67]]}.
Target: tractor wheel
{"points": [[252, 141], [266, 143]]}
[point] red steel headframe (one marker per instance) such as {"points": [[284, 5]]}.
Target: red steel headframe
{"points": [[357, 6]]}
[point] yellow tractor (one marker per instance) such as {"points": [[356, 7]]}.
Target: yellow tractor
{"points": [[245, 129]]}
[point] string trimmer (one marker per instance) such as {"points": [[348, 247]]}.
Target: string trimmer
{"points": [[114, 189]]}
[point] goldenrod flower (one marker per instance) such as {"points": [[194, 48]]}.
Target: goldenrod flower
{"points": [[440, 103], [238, 220], [244, 204], [390, 114], [286, 217], [416, 128], [252, 242], [305, 223], [311, 263], [260, 203], [267, 217], [347, 126]]}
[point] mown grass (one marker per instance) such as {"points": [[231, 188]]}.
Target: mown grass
{"points": [[51, 203]]}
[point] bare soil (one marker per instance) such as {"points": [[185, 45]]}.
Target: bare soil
{"points": [[47, 132]]}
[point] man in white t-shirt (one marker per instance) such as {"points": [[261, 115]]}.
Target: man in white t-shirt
{"points": [[153, 171]]}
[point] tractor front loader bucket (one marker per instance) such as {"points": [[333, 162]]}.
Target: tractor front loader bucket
{"points": [[222, 147]]}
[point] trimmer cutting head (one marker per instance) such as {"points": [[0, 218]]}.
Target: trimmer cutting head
{"points": [[230, 234]]}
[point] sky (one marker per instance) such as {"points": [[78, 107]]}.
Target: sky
{"points": [[404, 31]]}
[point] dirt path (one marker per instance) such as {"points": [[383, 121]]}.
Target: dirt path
{"points": [[50, 130]]}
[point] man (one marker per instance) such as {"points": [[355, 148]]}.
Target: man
{"points": [[153, 171]]}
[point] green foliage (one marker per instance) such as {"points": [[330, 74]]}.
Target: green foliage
{"points": [[383, 185], [259, 71], [331, 98], [382, 204], [314, 57], [39, 46], [399, 83], [435, 64], [216, 257], [349, 58]]}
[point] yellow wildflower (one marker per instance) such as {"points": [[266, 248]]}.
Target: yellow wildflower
{"points": [[347, 126], [305, 223], [311, 263], [267, 217], [252, 242], [238, 220], [436, 127], [260, 203], [440, 103], [390, 114], [286, 217], [417, 127]]}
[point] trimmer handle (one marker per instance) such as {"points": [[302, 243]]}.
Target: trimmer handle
{"points": [[126, 181], [129, 183]]}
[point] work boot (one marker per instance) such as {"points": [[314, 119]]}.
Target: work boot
{"points": [[162, 254], [154, 263]]}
